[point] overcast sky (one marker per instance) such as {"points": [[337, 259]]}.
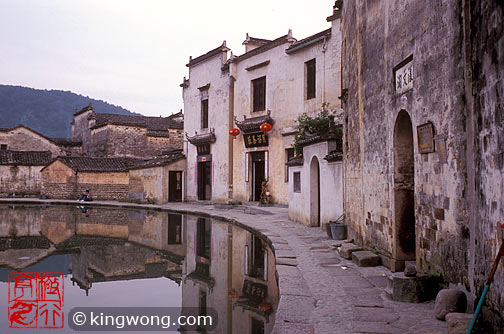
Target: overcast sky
{"points": [[133, 53]]}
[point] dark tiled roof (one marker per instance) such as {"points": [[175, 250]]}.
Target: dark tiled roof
{"points": [[163, 160], [25, 158], [334, 156], [88, 164], [256, 40], [204, 138], [265, 47], [295, 161], [253, 123], [86, 108], [66, 142], [154, 124], [218, 50], [318, 37]]}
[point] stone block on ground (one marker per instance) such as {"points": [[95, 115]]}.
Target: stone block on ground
{"points": [[410, 269], [365, 259], [347, 249], [448, 301], [457, 323], [404, 289]]}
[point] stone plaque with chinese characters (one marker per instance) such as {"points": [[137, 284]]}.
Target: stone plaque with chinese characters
{"points": [[255, 139], [425, 134], [404, 77]]}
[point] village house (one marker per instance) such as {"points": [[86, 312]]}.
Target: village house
{"points": [[423, 129], [23, 138], [206, 124], [273, 82], [113, 135], [157, 180], [20, 172]]}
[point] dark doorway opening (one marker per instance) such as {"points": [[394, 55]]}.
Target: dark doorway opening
{"points": [[204, 238], [174, 229], [258, 174], [314, 192], [175, 186], [404, 189], [204, 180], [257, 263]]}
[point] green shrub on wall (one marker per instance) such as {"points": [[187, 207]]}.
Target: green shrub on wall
{"points": [[314, 126]]}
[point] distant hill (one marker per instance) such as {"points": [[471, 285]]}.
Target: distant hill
{"points": [[47, 111]]}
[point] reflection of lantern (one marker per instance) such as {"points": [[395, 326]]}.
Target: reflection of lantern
{"points": [[234, 132], [265, 306], [232, 294], [265, 127]]}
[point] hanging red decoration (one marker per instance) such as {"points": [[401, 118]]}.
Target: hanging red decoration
{"points": [[234, 132], [265, 127]]}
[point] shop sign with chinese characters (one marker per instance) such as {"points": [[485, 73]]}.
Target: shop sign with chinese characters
{"points": [[255, 139]]}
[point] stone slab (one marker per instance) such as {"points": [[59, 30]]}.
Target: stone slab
{"points": [[347, 249], [365, 259], [458, 323], [287, 262]]}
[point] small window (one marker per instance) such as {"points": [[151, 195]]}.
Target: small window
{"points": [[259, 94], [310, 79], [297, 182], [3, 147], [204, 114], [289, 154]]}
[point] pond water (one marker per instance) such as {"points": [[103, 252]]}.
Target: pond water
{"points": [[112, 257]]}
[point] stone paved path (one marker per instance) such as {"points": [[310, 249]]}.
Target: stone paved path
{"points": [[320, 291]]}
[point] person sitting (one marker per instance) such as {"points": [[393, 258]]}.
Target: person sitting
{"points": [[86, 197]]}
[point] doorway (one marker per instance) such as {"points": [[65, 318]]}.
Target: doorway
{"points": [[314, 192], [175, 186], [258, 174], [204, 180], [404, 189]]}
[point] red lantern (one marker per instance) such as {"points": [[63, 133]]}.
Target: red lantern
{"points": [[234, 132], [265, 127]]}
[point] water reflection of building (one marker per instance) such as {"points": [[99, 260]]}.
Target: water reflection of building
{"points": [[218, 265], [232, 271], [105, 244]]}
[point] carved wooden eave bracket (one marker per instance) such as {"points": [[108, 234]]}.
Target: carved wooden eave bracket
{"points": [[253, 124], [203, 138]]}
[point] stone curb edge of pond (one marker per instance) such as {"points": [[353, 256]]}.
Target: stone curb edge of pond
{"points": [[282, 312]]}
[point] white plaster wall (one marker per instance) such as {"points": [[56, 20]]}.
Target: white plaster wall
{"points": [[285, 97], [208, 72], [331, 187]]}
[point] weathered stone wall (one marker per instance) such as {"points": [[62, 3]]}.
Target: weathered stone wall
{"points": [[81, 131], [128, 141], [60, 181], [20, 180], [377, 37], [484, 21], [22, 139], [458, 87], [152, 184]]}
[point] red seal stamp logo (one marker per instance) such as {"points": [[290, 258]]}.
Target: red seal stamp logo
{"points": [[36, 300]]}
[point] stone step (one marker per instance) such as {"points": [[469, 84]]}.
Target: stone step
{"points": [[347, 249], [365, 259]]}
